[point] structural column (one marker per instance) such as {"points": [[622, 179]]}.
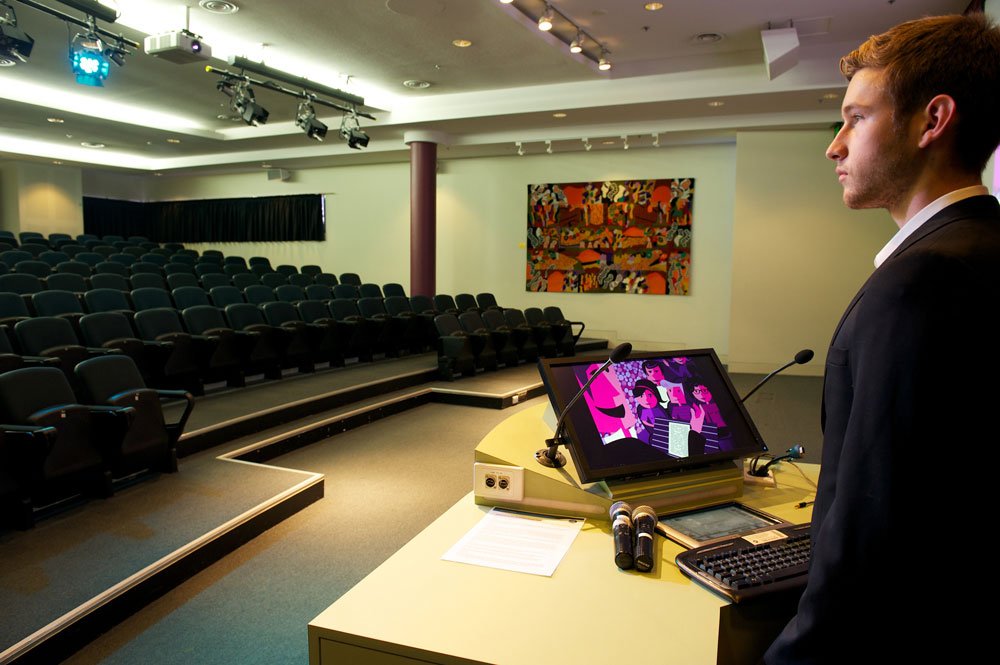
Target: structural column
{"points": [[423, 210]]}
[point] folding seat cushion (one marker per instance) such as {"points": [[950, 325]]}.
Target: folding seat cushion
{"points": [[541, 334], [420, 337], [391, 339], [364, 332], [320, 339], [317, 312], [455, 349], [558, 331], [112, 330], [190, 360], [276, 345], [499, 340], [235, 350]]}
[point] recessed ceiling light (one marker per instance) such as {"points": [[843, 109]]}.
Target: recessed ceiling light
{"points": [[265, 165], [56, 162], [416, 84], [707, 38], [559, 114], [57, 121], [611, 142], [219, 6], [157, 173], [88, 144], [173, 140], [653, 6], [831, 95], [461, 43], [716, 103]]}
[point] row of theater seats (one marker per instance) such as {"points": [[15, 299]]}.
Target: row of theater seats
{"points": [[57, 440]]}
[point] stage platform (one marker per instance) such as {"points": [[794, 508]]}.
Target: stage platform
{"points": [[89, 563]]}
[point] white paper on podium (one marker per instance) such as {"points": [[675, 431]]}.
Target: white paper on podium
{"points": [[516, 541]]}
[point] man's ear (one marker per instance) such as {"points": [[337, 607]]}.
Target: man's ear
{"points": [[938, 117]]}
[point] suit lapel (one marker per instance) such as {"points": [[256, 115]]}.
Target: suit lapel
{"points": [[976, 206]]}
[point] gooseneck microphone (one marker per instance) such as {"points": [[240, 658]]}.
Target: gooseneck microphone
{"points": [[550, 455], [644, 519], [621, 528], [801, 358]]}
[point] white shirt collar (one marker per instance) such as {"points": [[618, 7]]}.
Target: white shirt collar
{"points": [[931, 209]]}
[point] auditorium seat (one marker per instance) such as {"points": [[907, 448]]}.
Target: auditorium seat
{"points": [[53, 258], [189, 296], [243, 280], [22, 457], [319, 292], [108, 300], [320, 339], [146, 280], [54, 337], [234, 261], [289, 293], [498, 340], [487, 301], [260, 269], [225, 295], [178, 279], [11, 358], [393, 290], [35, 249], [72, 250], [276, 345], [135, 251], [370, 291], [36, 268], [12, 257], [521, 337], [108, 280], [90, 258], [156, 259], [206, 268], [555, 316], [186, 259], [13, 308], [20, 283], [287, 270], [466, 302], [350, 278], [445, 304], [66, 281], [346, 292], [63, 304], [399, 307], [75, 268], [211, 280], [317, 312], [213, 255], [259, 294], [365, 333], [233, 350], [396, 333], [188, 364], [560, 331], [144, 267], [112, 330], [273, 279], [112, 268], [143, 299], [122, 258], [455, 350], [326, 279], [260, 261], [299, 279], [232, 269], [311, 270], [177, 268], [542, 334]]}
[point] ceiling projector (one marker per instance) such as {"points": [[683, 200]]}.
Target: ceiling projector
{"points": [[180, 47]]}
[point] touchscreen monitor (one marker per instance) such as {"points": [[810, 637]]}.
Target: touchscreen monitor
{"points": [[652, 413]]}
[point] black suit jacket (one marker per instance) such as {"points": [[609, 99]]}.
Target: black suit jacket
{"points": [[910, 401]]}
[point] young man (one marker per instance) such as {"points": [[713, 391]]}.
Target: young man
{"points": [[902, 484]]}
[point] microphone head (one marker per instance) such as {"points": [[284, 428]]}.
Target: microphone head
{"points": [[621, 352], [804, 356], [618, 508], [643, 511]]}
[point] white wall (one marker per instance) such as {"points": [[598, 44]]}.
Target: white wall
{"points": [[41, 197], [799, 254]]}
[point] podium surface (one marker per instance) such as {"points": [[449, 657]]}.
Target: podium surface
{"points": [[416, 608]]}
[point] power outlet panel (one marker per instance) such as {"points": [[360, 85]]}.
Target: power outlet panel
{"points": [[498, 481]]}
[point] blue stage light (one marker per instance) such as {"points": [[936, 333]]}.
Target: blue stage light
{"points": [[89, 63]]}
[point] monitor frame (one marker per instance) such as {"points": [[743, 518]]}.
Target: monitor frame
{"points": [[561, 384]]}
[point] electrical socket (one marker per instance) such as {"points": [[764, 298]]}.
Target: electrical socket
{"points": [[498, 481]]}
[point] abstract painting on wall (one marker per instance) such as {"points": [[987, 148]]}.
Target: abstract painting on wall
{"points": [[627, 236]]}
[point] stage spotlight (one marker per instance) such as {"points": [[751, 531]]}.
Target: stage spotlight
{"points": [[15, 45], [244, 103], [545, 20], [576, 46], [306, 119], [350, 131], [86, 55]]}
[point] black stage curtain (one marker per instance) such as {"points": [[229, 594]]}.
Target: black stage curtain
{"points": [[265, 219]]}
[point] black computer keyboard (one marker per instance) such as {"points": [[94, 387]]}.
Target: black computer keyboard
{"points": [[740, 570]]}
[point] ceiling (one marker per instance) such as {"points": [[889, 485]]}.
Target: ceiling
{"points": [[154, 116]]}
